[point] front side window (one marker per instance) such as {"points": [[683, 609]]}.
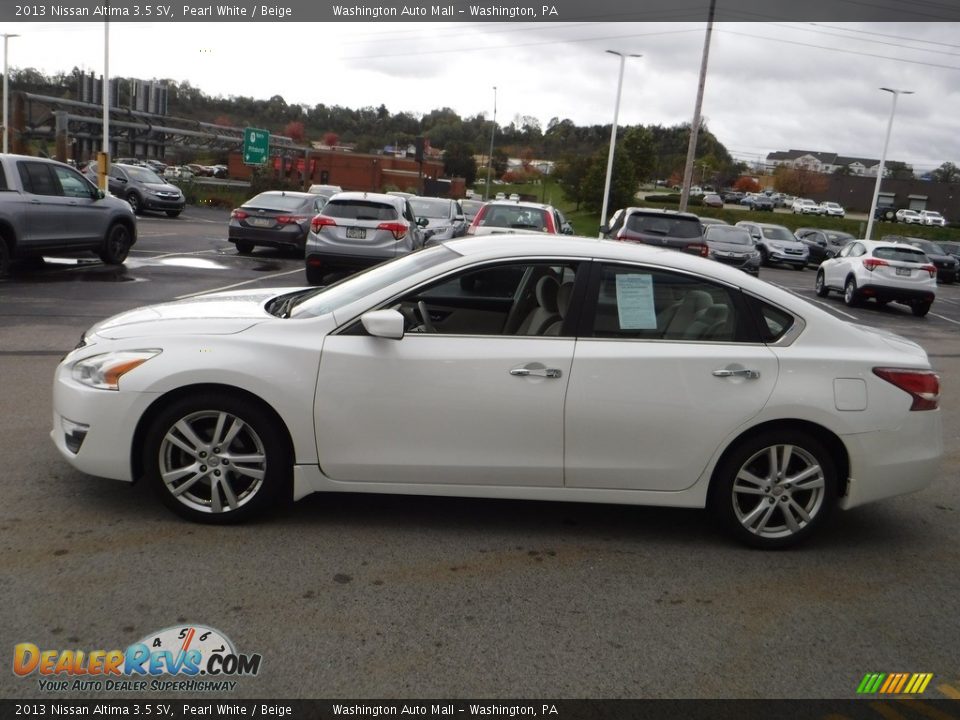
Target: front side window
{"points": [[645, 304], [72, 183]]}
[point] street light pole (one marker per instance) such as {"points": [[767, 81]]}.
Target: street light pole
{"points": [[6, 93], [883, 159], [613, 136], [493, 131], [103, 160]]}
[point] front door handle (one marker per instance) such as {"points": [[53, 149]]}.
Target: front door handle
{"points": [[537, 371], [744, 373]]}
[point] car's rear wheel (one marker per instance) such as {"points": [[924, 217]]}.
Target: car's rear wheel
{"points": [[821, 285], [799, 267], [775, 489], [4, 258], [851, 296], [315, 275], [244, 247], [919, 309], [116, 246], [215, 458]]}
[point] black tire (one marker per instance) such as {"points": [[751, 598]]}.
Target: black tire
{"points": [[799, 267], [890, 216], [764, 257], [820, 285], [218, 490], [919, 309], [769, 511], [314, 275], [244, 247], [174, 213], [851, 295], [135, 203], [4, 258], [116, 245]]}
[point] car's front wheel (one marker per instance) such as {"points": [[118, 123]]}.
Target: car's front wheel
{"points": [[216, 458], [775, 489], [134, 200], [116, 245], [173, 213], [820, 285]]}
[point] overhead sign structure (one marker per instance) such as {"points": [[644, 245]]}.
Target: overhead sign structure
{"points": [[256, 144]]}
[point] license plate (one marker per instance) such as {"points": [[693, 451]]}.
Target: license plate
{"points": [[260, 222], [903, 271], [356, 233]]}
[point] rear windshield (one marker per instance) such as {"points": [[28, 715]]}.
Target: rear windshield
{"points": [[517, 217], [666, 226], [359, 210], [275, 201], [903, 254], [928, 247], [430, 208]]}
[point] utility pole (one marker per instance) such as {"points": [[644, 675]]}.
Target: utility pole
{"points": [[695, 126]]}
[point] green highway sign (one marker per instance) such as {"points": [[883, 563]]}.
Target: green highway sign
{"points": [[256, 145]]}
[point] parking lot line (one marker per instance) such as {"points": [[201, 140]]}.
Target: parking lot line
{"points": [[945, 318], [239, 284], [173, 254]]}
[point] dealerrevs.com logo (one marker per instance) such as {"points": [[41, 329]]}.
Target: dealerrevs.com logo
{"points": [[180, 658]]}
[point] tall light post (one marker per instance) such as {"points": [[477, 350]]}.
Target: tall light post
{"points": [[883, 158], [6, 92], [493, 131], [613, 135]]}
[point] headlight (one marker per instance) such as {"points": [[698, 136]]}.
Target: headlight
{"points": [[104, 371], [776, 246]]}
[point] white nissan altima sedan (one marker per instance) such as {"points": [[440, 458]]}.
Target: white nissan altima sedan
{"points": [[517, 367]]}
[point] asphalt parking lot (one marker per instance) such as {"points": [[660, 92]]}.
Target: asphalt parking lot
{"points": [[389, 597]]}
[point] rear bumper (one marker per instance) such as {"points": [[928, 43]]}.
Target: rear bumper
{"points": [[283, 239], [896, 294]]}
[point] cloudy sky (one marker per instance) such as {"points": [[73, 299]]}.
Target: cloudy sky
{"points": [[770, 86]]}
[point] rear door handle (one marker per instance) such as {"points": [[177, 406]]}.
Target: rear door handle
{"points": [[535, 371], [744, 373]]}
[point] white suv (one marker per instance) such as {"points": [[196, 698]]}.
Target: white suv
{"points": [[930, 217], [908, 216], [882, 270], [832, 209]]}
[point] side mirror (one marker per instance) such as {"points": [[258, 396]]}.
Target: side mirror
{"points": [[383, 323], [422, 221], [567, 229], [100, 194], [605, 229]]}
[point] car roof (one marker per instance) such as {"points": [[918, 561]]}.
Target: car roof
{"points": [[394, 200], [289, 193], [519, 203]]}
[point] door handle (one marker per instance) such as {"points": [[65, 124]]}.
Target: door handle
{"points": [[744, 373], [537, 372]]}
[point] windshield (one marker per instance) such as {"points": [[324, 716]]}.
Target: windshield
{"points": [[430, 208], [665, 225], [333, 297], [730, 235], [775, 232], [928, 247], [145, 175]]}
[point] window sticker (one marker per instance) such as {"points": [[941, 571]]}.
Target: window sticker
{"points": [[635, 306]]}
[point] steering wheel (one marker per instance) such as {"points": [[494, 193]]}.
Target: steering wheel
{"points": [[425, 317]]}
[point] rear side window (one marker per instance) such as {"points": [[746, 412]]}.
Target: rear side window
{"points": [[663, 225], [359, 210], [37, 178], [902, 254]]}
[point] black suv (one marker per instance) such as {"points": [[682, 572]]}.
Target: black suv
{"points": [[663, 228]]}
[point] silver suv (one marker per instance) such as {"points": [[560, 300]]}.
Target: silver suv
{"points": [[776, 244], [142, 188], [357, 230]]}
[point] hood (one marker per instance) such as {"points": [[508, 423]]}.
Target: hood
{"points": [[169, 187], [214, 314], [731, 247]]}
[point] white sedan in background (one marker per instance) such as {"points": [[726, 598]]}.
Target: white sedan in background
{"points": [[931, 217], [908, 217], [508, 367], [832, 209]]}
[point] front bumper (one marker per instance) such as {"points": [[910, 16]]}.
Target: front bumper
{"points": [[152, 202]]}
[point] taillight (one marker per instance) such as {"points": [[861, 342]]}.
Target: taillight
{"points": [[397, 229], [238, 215], [321, 221], [922, 385], [290, 219], [697, 249], [930, 269], [872, 264]]}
